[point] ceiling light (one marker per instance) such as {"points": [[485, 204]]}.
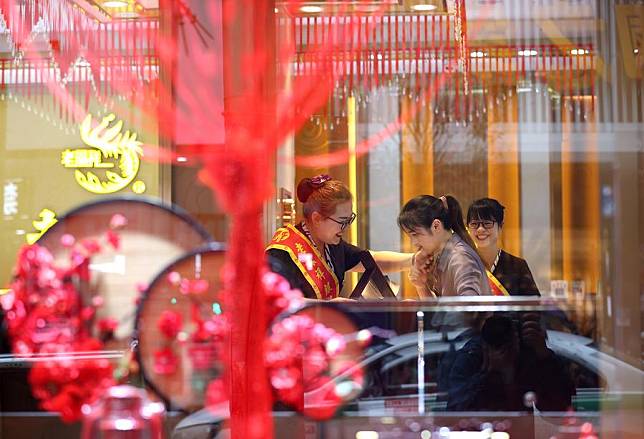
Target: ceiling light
{"points": [[128, 14], [528, 52], [423, 7], [115, 4], [311, 9], [636, 51], [182, 159], [477, 54], [578, 52]]}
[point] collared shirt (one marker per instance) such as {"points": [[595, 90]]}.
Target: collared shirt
{"points": [[458, 271]]}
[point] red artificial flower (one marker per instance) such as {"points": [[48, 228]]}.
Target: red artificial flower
{"points": [[287, 383], [65, 383], [67, 240], [87, 313], [107, 325], [46, 314], [174, 278], [323, 402], [80, 266], [117, 221], [113, 239], [91, 246], [170, 323], [216, 393], [202, 355], [298, 356], [196, 286], [165, 361], [314, 363], [279, 296]]}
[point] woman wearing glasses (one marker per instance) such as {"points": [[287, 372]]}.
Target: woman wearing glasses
{"points": [[508, 274], [312, 254], [447, 263]]}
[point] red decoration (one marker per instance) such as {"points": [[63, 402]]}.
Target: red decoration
{"points": [[47, 314], [298, 357], [166, 361], [170, 323], [206, 338]]}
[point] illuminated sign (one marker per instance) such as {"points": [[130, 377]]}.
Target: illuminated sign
{"points": [[117, 154], [47, 219]]}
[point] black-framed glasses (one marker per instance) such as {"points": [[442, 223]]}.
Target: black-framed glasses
{"points": [[474, 225], [346, 223]]}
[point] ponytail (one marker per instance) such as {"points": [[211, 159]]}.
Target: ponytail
{"points": [[421, 211], [455, 219]]}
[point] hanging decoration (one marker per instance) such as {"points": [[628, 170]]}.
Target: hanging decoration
{"points": [[460, 36], [59, 50]]}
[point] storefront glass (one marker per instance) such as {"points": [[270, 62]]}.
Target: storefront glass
{"points": [[162, 138]]}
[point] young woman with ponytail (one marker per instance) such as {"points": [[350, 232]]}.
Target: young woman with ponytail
{"points": [[447, 263], [312, 255]]}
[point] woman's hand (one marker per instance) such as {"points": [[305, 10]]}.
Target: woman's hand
{"points": [[417, 277], [422, 261]]}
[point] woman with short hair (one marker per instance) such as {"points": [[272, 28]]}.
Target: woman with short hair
{"points": [[509, 274]]}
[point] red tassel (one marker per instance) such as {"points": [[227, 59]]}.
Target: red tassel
{"points": [[350, 56], [300, 22]]}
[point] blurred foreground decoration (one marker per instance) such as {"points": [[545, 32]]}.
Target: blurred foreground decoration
{"points": [[259, 111], [51, 314]]}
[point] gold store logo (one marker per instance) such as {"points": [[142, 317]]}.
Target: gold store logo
{"points": [[109, 149]]}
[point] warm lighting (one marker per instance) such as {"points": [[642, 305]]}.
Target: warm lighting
{"points": [[578, 52], [182, 159], [528, 52], [366, 8], [128, 14], [367, 435], [636, 51], [477, 54], [311, 9], [423, 8], [115, 4]]}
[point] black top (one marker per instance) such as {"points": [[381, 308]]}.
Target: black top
{"points": [[343, 255], [515, 276]]}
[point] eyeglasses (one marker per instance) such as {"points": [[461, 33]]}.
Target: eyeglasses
{"points": [[346, 223], [474, 225]]}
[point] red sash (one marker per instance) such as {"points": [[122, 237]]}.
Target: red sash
{"points": [[497, 287], [307, 258]]}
